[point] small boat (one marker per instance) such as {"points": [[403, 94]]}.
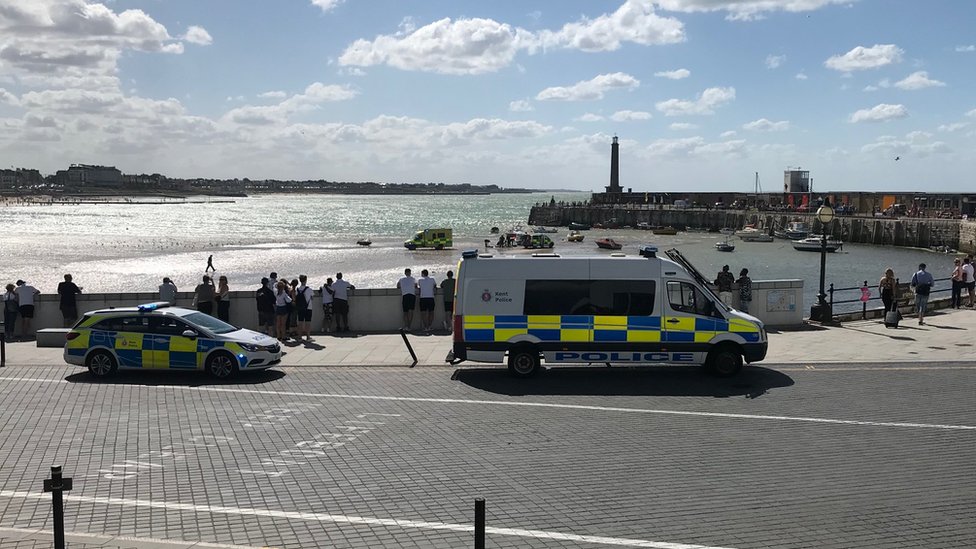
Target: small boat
{"points": [[364, 242], [796, 230], [760, 238], [608, 244], [727, 231], [643, 225], [544, 230], [752, 233], [668, 231], [575, 236], [574, 226], [494, 230], [813, 243], [725, 246]]}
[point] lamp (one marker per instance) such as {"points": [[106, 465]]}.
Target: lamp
{"points": [[822, 311]]}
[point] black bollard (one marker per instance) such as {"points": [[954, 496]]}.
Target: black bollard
{"points": [[479, 523], [3, 350], [56, 485]]}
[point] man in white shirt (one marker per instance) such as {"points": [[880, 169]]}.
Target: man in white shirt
{"points": [[303, 307], [408, 296], [167, 291], [341, 302], [427, 287], [25, 297], [968, 282]]}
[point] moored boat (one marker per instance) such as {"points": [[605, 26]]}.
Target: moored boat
{"points": [[813, 243], [796, 230], [575, 236], [364, 242], [725, 246], [727, 231], [669, 231], [574, 226], [608, 244], [545, 230]]}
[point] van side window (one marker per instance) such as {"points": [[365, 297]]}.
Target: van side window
{"points": [[589, 297], [686, 298]]}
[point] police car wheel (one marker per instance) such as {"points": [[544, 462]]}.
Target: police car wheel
{"points": [[523, 362], [724, 361], [101, 364], [221, 365]]}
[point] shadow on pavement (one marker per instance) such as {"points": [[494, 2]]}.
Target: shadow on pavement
{"points": [[752, 382], [185, 379]]}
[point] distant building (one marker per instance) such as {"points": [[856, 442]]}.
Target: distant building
{"points": [[796, 181], [84, 175], [20, 177]]}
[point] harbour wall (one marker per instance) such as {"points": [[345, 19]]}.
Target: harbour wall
{"points": [[776, 302], [881, 231]]}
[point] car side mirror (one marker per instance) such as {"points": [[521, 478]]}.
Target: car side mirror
{"points": [[190, 334]]}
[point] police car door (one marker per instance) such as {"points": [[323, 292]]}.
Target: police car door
{"points": [[171, 349], [690, 322], [131, 342]]}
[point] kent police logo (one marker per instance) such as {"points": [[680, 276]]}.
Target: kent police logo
{"points": [[486, 296]]}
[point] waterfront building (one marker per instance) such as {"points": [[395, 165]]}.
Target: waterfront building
{"points": [[79, 176]]}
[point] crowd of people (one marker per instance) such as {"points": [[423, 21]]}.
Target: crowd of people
{"points": [[18, 303]]}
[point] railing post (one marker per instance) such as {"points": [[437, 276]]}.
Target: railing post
{"points": [[479, 523], [864, 304], [831, 292]]}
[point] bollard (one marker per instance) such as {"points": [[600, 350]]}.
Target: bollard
{"points": [[3, 349], [403, 334], [479, 523], [56, 485]]}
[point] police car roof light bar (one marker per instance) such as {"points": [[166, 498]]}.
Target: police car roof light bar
{"points": [[647, 251], [148, 307]]}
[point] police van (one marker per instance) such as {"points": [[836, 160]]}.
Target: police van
{"points": [[608, 310]]}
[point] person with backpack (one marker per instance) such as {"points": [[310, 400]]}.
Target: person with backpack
{"points": [[303, 307], [922, 283]]}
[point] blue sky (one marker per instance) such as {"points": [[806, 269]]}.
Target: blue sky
{"points": [[702, 93]]}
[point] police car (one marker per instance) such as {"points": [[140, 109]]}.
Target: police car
{"points": [[159, 336]]}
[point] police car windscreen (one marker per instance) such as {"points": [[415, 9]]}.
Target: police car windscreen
{"points": [[206, 321]]}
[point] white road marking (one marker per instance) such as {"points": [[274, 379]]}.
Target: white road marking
{"points": [[690, 413], [104, 538], [368, 521]]}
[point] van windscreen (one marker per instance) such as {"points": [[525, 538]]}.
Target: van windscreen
{"points": [[589, 297]]}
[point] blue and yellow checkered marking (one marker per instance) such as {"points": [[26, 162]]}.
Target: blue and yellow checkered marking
{"points": [[487, 328], [139, 350]]}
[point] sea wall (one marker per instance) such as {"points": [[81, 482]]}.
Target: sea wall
{"points": [[881, 231], [777, 302]]}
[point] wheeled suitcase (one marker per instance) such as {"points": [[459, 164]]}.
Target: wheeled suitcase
{"points": [[891, 318]]}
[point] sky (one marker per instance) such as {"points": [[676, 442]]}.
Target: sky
{"points": [[703, 94]]}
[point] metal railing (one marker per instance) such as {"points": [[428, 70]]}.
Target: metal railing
{"points": [[869, 291]]}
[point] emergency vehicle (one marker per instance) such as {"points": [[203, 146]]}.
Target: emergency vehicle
{"points": [[430, 238], [157, 335], [605, 310]]}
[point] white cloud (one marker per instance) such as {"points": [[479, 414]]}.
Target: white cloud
{"points": [[679, 126], [627, 116], [465, 46], [774, 61], [677, 74], [861, 58], [801, 76], [968, 48], [589, 89], [8, 98], [728, 134], [954, 127], [589, 117], [198, 35], [314, 95], [691, 146], [880, 113], [477, 45], [764, 125], [634, 21], [917, 81], [971, 114], [326, 5], [914, 144], [520, 105], [705, 104], [746, 10], [274, 94]]}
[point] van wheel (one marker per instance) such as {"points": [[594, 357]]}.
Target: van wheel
{"points": [[724, 361], [221, 365], [101, 364], [523, 362]]}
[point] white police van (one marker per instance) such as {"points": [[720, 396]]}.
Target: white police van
{"points": [[614, 310]]}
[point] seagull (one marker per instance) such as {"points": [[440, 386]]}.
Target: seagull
{"points": [[897, 158]]}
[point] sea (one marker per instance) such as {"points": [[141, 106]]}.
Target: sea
{"points": [[130, 246]]}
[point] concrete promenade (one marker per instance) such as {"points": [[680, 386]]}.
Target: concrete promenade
{"points": [[946, 336]]}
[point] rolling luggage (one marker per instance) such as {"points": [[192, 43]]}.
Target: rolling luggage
{"points": [[892, 317]]}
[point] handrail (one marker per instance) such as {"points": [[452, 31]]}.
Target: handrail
{"points": [[864, 304]]}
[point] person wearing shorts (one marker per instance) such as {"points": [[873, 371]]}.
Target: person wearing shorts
{"points": [[427, 286], [25, 297], [303, 305], [328, 296], [265, 299], [447, 288], [408, 292], [341, 302]]}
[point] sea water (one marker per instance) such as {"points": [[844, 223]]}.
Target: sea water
{"points": [[130, 247]]}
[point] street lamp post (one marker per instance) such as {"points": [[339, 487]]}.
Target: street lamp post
{"points": [[822, 311]]}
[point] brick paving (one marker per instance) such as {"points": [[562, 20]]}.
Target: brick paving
{"points": [[284, 442]]}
